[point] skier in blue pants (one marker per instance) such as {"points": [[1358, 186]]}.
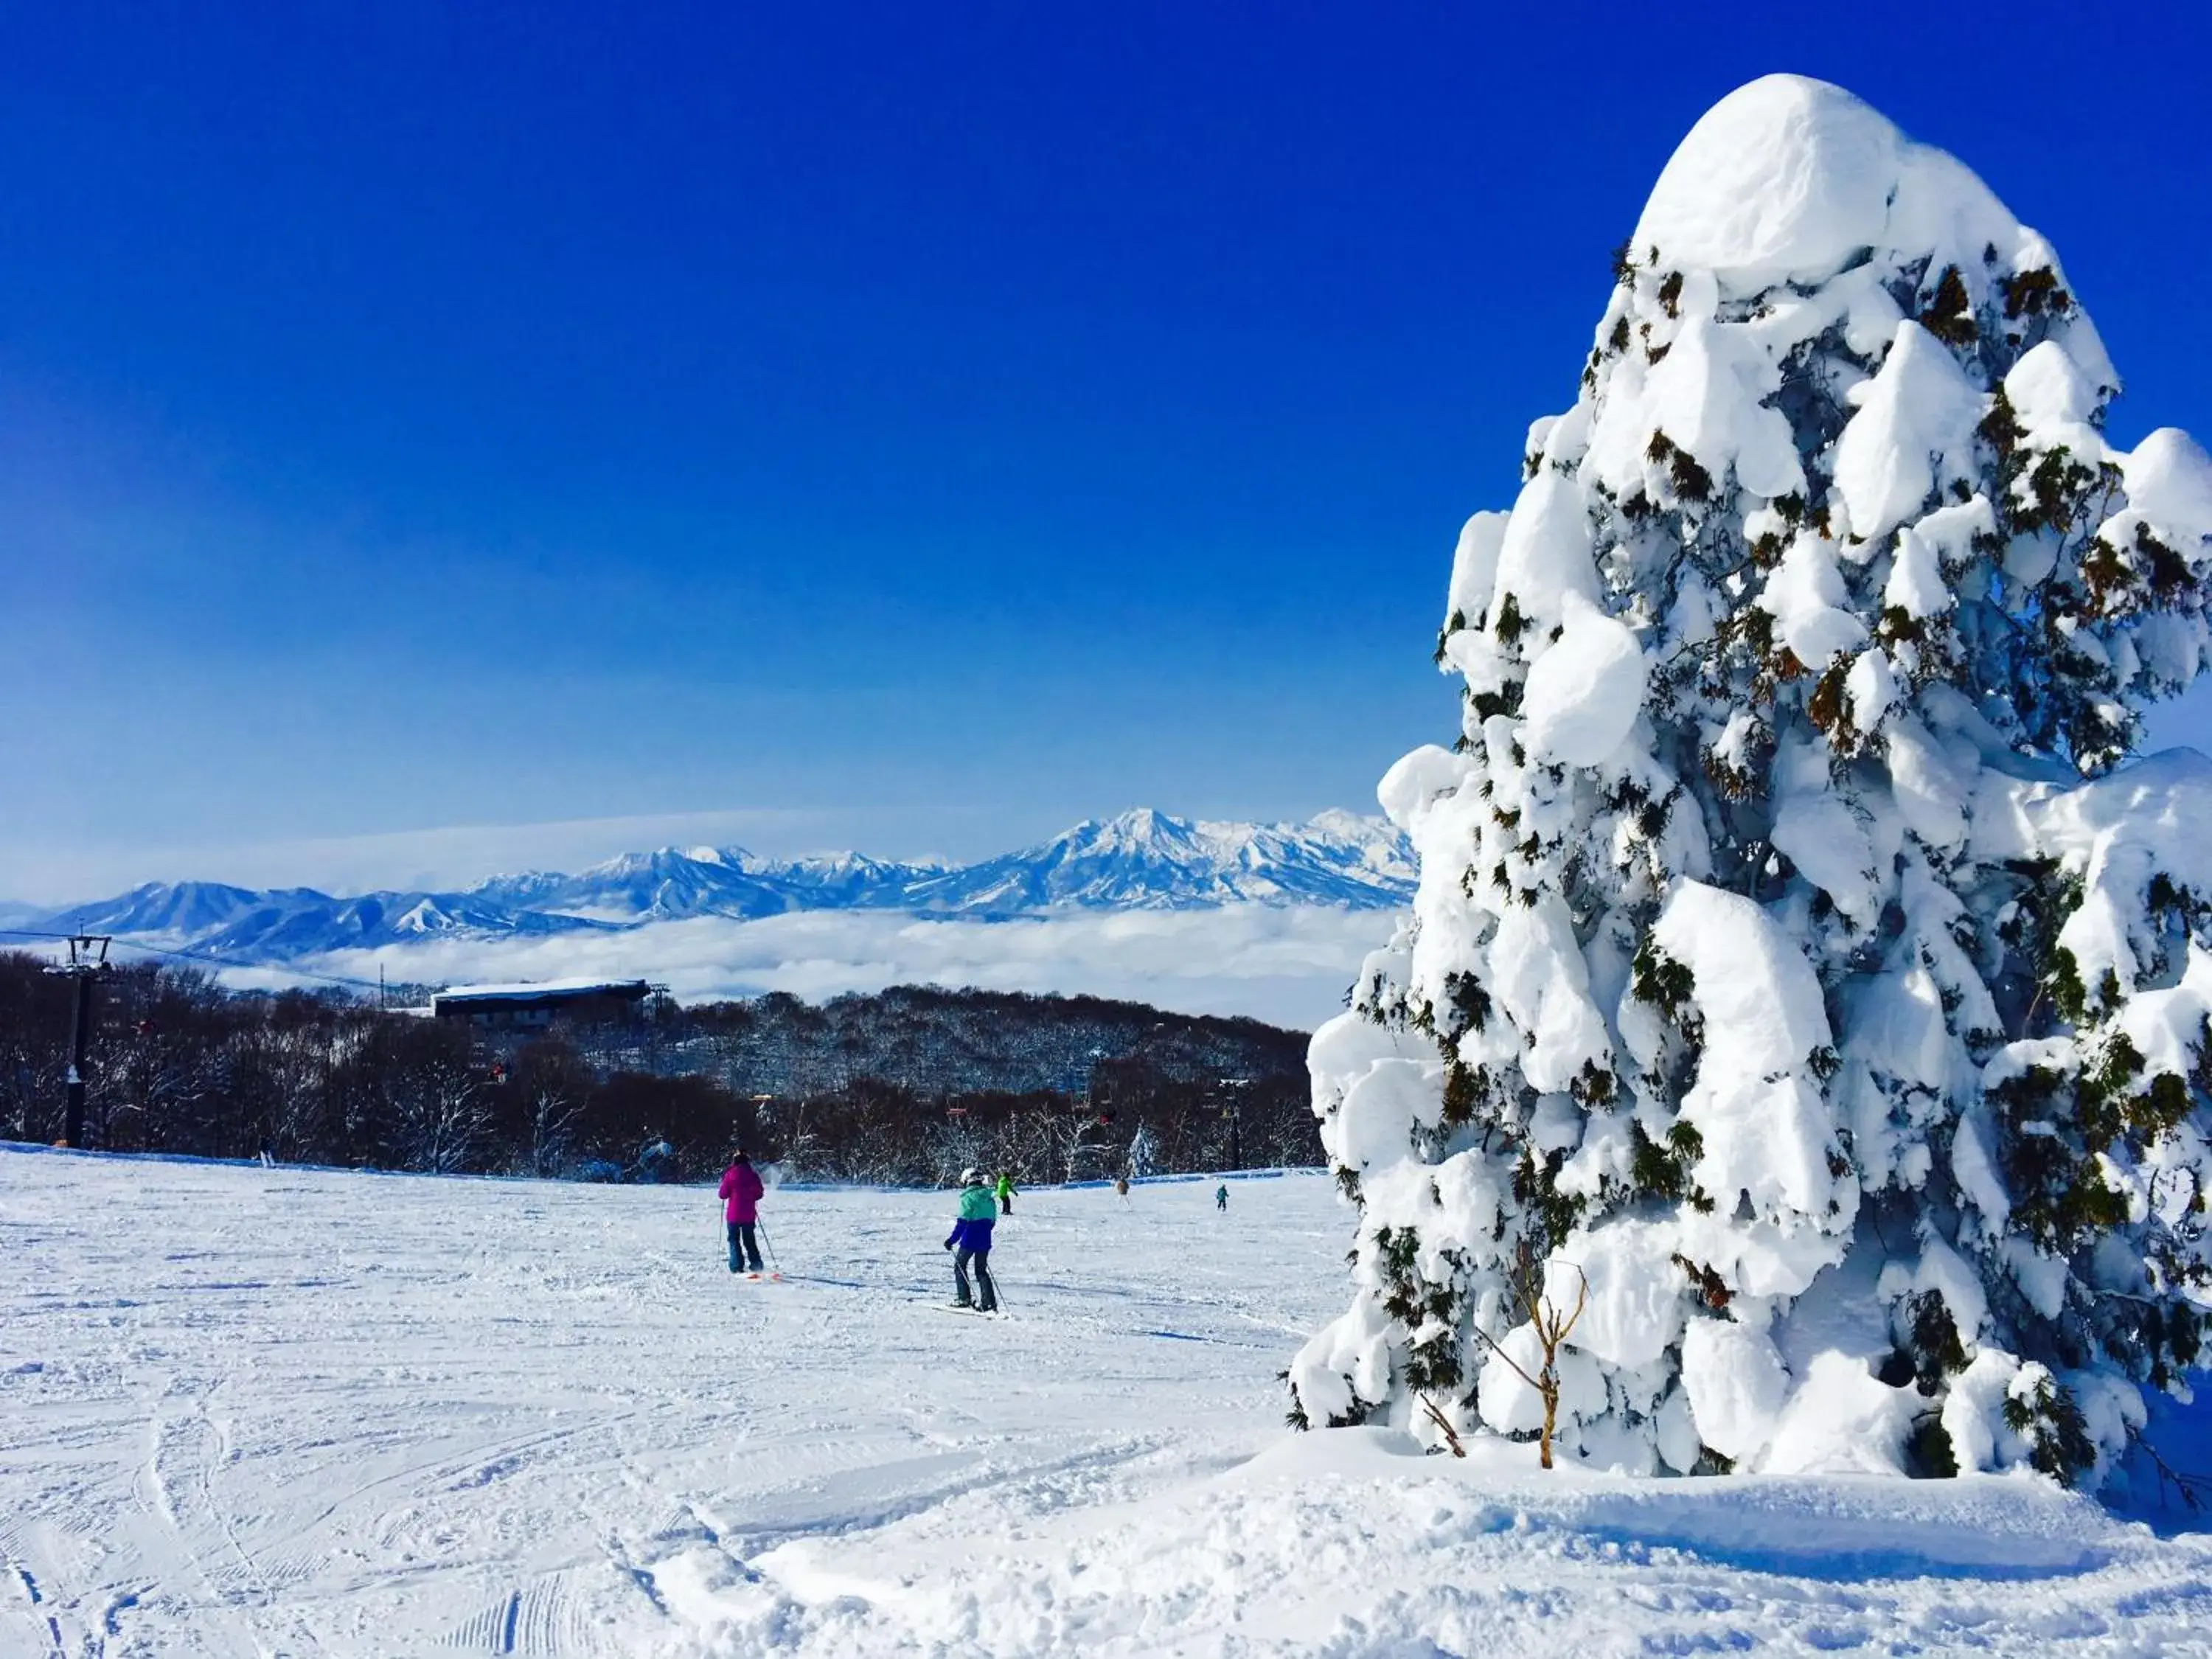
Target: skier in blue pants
{"points": [[971, 1233]]}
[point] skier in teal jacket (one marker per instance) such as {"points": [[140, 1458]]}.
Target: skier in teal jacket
{"points": [[971, 1233]]}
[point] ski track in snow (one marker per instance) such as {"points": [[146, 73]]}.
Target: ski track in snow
{"points": [[290, 1413]]}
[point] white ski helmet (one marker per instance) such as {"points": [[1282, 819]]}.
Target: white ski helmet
{"points": [[972, 1178]]}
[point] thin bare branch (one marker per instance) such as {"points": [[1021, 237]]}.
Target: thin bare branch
{"points": [[1507, 1357], [1451, 1435], [1581, 1300]]}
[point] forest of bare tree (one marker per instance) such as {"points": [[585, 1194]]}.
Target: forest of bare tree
{"points": [[906, 1086]]}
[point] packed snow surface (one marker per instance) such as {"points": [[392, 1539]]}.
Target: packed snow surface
{"points": [[287, 1411]]}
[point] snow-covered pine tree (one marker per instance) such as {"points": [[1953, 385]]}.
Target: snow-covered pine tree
{"points": [[1801, 956]]}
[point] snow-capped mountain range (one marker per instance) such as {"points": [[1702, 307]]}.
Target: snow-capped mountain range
{"points": [[1141, 860]]}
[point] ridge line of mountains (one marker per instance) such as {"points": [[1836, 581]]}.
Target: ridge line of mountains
{"points": [[1142, 860]]}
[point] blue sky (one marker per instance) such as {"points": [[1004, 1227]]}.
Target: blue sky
{"points": [[910, 427]]}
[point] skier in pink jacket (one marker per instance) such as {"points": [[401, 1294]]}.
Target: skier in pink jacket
{"points": [[741, 1196]]}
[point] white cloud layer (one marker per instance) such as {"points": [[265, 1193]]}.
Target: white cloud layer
{"points": [[1290, 966]]}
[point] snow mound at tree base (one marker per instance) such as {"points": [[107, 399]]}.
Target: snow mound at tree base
{"points": [[1353, 1542]]}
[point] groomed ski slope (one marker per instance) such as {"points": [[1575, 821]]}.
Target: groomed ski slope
{"points": [[246, 1411]]}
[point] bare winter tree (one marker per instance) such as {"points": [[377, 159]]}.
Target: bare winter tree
{"points": [[862, 1089], [1530, 1286], [956, 1144], [793, 1126], [552, 1085], [295, 1064], [441, 1115]]}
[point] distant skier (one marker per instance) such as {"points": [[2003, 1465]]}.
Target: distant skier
{"points": [[971, 1233], [1121, 1187], [1006, 1194], [1221, 1198], [741, 1196]]}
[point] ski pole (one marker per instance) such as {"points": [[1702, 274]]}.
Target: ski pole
{"points": [[762, 1227]]}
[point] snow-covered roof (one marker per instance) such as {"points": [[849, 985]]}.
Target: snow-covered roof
{"points": [[524, 991]]}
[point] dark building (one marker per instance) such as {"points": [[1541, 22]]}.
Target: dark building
{"points": [[588, 999]]}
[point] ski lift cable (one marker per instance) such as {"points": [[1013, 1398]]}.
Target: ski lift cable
{"points": [[201, 956]]}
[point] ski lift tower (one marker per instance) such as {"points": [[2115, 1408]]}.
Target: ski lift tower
{"points": [[1234, 1111], [87, 961]]}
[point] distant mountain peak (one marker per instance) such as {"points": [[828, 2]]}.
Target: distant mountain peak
{"points": [[1140, 859]]}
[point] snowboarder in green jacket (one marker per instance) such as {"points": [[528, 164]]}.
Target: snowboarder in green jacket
{"points": [[1004, 1192]]}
